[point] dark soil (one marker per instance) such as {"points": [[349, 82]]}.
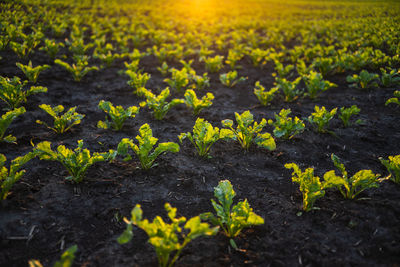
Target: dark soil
{"points": [[45, 214]]}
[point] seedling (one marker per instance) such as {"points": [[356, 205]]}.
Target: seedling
{"points": [[364, 80], [346, 113], [76, 161], [144, 150], [395, 99], [163, 69], [350, 187], [321, 117], [200, 82], [66, 260], [179, 79], [289, 88], [196, 104], [158, 103], [133, 66], [325, 65], [310, 185], [282, 71], [233, 58], [248, 131], [78, 70], [286, 127], [107, 57], [138, 81], [118, 115], [392, 164], [51, 47], [12, 91], [265, 97], [64, 122], [6, 120], [166, 238], [214, 64], [231, 219], [204, 136], [391, 78], [8, 177], [32, 73], [258, 56], [315, 84], [230, 79]]}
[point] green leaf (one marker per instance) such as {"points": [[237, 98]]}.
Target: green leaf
{"points": [[67, 257]]}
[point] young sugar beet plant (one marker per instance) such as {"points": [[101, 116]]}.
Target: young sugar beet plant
{"points": [[179, 79], [117, 114], [204, 136], [286, 127], [51, 47], [32, 73], [282, 71], [248, 131], [196, 104], [62, 122], [144, 151], [138, 81], [350, 187], [347, 113], [316, 84], [320, 118], [395, 99], [390, 77], [12, 91], [158, 103], [200, 82], [167, 237], [231, 219], [364, 80], [230, 79], [78, 70], [289, 88], [76, 161], [8, 177], [265, 97], [311, 186], [5, 121], [66, 260], [392, 164], [214, 64]]}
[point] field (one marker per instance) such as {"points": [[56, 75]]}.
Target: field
{"points": [[297, 55]]}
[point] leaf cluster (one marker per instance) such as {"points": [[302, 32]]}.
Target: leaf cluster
{"points": [[32, 73], [232, 219], [204, 136], [265, 97], [392, 164], [117, 114], [62, 122], [8, 177], [76, 161], [145, 150], [248, 131], [79, 69], [321, 117], [196, 104], [5, 121], [315, 84], [286, 127], [12, 91], [159, 104], [230, 79], [167, 237]]}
